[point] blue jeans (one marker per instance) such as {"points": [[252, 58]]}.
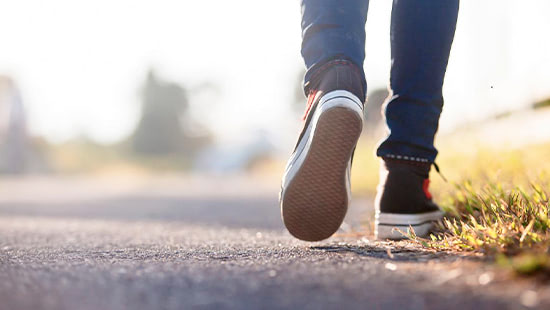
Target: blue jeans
{"points": [[421, 35]]}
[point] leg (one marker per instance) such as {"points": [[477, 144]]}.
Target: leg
{"points": [[421, 35], [333, 30]]}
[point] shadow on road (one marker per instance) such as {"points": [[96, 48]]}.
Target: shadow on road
{"points": [[402, 251]]}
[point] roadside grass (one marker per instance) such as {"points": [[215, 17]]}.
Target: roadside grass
{"points": [[496, 201], [510, 225], [497, 204]]}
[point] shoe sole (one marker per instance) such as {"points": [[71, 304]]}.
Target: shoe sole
{"points": [[315, 201], [397, 226]]}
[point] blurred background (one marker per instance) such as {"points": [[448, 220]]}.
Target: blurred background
{"points": [[193, 88]]}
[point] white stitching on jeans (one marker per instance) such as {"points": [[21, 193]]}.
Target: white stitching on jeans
{"points": [[423, 160]]}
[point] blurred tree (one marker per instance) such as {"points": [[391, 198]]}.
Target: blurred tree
{"points": [[166, 126], [159, 130], [13, 129]]}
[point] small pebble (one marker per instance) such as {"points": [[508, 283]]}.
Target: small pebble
{"points": [[391, 266], [529, 298], [486, 278]]}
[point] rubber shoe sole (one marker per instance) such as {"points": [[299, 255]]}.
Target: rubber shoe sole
{"points": [[397, 226], [315, 198]]}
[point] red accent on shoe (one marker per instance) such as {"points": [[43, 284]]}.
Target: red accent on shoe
{"points": [[309, 105], [425, 186]]}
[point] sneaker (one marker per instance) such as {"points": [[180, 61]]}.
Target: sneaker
{"points": [[403, 200], [315, 189]]}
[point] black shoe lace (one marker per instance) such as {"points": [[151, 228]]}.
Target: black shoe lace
{"points": [[439, 172]]}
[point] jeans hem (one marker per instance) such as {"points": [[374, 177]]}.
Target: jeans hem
{"points": [[314, 74]]}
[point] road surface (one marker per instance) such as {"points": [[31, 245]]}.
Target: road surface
{"points": [[216, 243]]}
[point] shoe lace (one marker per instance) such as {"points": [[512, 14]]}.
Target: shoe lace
{"points": [[439, 172]]}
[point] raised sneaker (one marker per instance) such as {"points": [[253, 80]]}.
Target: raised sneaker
{"points": [[403, 200], [315, 189]]}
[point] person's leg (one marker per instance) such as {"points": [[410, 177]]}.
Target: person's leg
{"points": [[333, 31], [315, 191], [421, 35]]}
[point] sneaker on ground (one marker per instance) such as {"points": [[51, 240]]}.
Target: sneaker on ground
{"points": [[315, 189], [403, 200]]}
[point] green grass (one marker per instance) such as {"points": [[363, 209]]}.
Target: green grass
{"points": [[496, 220], [508, 224], [541, 104]]}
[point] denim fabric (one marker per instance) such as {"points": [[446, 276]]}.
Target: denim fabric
{"points": [[333, 29], [422, 32]]}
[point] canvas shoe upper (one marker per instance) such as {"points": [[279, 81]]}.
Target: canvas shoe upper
{"points": [[403, 200]]}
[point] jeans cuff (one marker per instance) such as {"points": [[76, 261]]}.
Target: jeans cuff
{"points": [[316, 72]]}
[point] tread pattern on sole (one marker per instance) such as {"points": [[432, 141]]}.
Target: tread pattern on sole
{"points": [[315, 201]]}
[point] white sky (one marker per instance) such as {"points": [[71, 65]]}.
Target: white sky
{"points": [[80, 63]]}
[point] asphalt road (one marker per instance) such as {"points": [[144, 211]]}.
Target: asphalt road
{"points": [[217, 243]]}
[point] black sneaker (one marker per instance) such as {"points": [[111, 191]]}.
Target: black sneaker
{"points": [[315, 189], [403, 200]]}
